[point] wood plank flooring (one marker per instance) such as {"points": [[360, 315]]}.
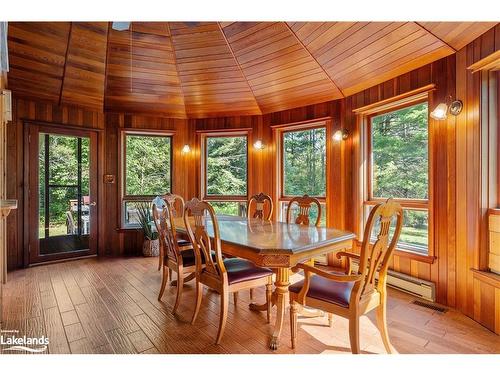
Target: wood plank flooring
{"points": [[109, 305]]}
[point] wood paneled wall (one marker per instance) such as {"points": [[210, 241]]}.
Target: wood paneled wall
{"points": [[112, 240], [457, 240]]}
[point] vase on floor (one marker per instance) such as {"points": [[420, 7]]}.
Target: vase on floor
{"points": [[151, 248]]}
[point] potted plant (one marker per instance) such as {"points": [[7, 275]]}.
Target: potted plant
{"points": [[151, 245]]}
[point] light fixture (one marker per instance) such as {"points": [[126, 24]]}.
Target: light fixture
{"points": [[340, 135], [186, 149], [258, 144], [441, 111]]}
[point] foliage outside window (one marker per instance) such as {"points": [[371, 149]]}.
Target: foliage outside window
{"points": [[399, 168], [226, 173], [147, 172], [62, 184], [304, 162], [303, 168]]}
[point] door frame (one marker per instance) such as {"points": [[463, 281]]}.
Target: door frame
{"points": [[31, 242]]}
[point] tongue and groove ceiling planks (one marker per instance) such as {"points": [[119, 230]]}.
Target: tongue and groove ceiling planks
{"points": [[215, 69]]}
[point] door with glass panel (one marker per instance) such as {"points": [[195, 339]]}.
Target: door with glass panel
{"points": [[62, 193]]}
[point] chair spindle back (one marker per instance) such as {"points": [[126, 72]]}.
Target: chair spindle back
{"points": [[305, 202], [260, 200], [201, 212], [375, 257]]}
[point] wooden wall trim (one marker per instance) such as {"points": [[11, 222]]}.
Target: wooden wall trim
{"points": [[398, 100]]}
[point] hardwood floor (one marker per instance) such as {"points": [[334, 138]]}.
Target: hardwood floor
{"points": [[109, 305]]}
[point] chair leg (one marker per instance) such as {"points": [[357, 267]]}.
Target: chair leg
{"points": [[293, 322], [269, 296], [330, 320], [235, 298], [224, 302], [164, 279], [251, 294], [199, 295], [160, 258], [354, 334], [180, 287], [381, 314]]}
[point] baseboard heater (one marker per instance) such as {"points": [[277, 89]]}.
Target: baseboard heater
{"points": [[408, 284]]}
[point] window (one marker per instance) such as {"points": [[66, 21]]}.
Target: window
{"points": [[303, 167], [398, 155], [147, 171], [225, 168]]}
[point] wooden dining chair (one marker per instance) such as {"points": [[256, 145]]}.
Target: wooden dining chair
{"points": [[260, 200], [176, 204], [224, 275], [178, 254], [305, 202], [353, 295]]}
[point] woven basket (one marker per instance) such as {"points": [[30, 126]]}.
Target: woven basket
{"points": [[151, 248]]}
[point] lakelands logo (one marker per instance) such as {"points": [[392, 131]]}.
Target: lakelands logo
{"points": [[10, 341]]}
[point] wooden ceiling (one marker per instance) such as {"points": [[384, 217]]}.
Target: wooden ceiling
{"points": [[213, 69]]}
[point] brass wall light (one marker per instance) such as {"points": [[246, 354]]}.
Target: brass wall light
{"points": [[340, 135], [258, 144], [453, 107]]}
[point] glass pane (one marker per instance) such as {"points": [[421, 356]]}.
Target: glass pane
{"points": [[414, 234], [230, 208], [64, 221], [313, 213], [63, 160], [131, 213], [400, 153], [147, 165], [304, 159], [227, 165]]}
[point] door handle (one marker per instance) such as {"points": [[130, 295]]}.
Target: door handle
{"points": [[93, 204]]}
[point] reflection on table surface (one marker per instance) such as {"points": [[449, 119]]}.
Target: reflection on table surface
{"points": [[272, 235]]}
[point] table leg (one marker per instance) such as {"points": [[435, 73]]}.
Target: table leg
{"points": [[281, 291]]}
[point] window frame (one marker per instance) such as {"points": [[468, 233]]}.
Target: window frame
{"points": [[416, 204], [124, 197], [280, 132], [203, 165]]}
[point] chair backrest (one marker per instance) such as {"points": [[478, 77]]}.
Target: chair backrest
{"points": [[201, 212], [176, 203], [374, 257], [164, 223], [260, 200], [305, 202]]}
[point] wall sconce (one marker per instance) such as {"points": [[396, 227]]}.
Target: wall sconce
{"points": [[340, 135], [186, 149], [441, 111], [258, 144]]}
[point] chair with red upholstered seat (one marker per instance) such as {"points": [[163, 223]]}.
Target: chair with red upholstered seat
{"points": [[352, 295], [222, 275]]}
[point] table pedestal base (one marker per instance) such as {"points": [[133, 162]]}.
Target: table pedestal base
{"points": [[278, 299]]}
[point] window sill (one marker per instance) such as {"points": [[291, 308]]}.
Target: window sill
{"points": [[415, 256], [488, 277], [127, 229]]}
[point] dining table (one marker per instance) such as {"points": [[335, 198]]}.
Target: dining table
{"points": [[276, 245]]}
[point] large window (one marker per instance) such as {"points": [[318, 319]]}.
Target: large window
{"points": [[147, 171], [398, 155], [225, 170], [303, 167]]}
